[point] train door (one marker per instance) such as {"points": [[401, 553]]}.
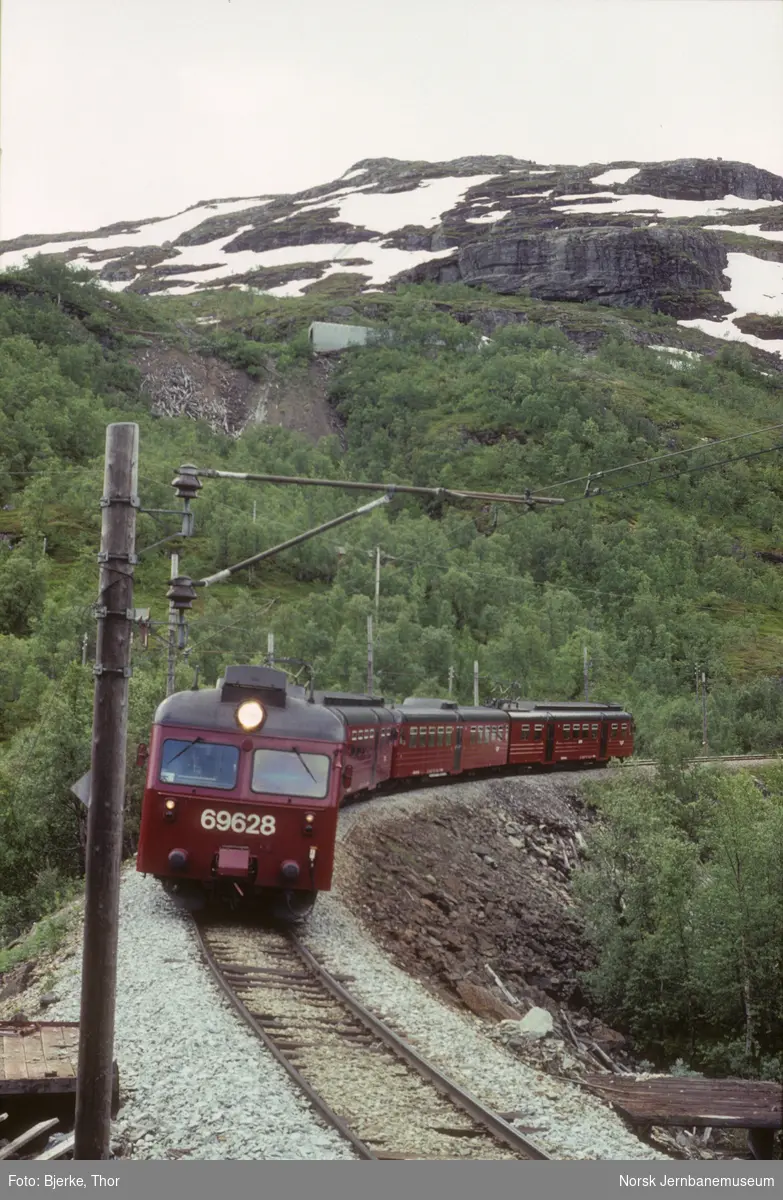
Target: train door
{"points": [[604, 738], [549, 746], [457, 747], [374, 749]]}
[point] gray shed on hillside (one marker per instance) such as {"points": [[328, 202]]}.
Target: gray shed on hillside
{"points": [[325, 336]]}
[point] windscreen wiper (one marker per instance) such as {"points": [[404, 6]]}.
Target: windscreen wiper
{"points": [[182, 751], [304, 764]]}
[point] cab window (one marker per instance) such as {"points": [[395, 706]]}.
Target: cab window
{"points": [[414, 736], [440, 735], [199, 764]]}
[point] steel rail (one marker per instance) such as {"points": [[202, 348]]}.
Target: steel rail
{"points": [[315, 1098], [482, 1115], [707, 758], [486, 1118]]}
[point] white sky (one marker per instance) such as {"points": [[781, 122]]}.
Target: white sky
{"points": [[122, 109]]}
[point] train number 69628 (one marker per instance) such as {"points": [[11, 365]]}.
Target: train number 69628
{"points": [[238, 822]]}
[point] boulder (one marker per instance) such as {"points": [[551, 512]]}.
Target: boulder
{"points": [[536, 1023]]}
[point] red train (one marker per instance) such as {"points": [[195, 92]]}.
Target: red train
{"points": [[245, 780]]}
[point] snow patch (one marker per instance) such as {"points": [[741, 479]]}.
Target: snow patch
{"points": [[589, 196], [756, 287], [424, 205], [153, 233], [309, 202], [549, 172], [530, 195], [665, 208], [353, 174], [384, 262], [677, 350], [496, 215], [729, 332], [774, 235], [616, 175]]}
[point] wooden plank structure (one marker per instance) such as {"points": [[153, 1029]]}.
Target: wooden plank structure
{"points": [[695, 1103], [40, 1058]]}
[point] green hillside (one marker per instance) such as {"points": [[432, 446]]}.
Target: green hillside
{"points": [[652, 579]]}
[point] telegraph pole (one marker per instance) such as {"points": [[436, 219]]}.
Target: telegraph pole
{"points": [[172, 654], [451, 680], [377, 579], [704, 710], [107, 793], [369, 657], [586, 672], [475, 683], [270, 649]]}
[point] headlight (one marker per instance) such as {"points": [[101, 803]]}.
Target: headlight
{"points": [[250, 714]]}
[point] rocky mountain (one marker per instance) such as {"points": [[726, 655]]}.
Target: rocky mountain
{"points": [[698, 239]]}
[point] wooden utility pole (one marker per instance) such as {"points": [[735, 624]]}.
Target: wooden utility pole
{"points": [[475, 682], [704, 710], [171, 666], [451, 680], [270, 649], [107, 793], [377, 579], [370, 665], [586, 672]]}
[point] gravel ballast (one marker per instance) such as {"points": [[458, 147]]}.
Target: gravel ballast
{"points": [[195, 1083], [570, 1124]]}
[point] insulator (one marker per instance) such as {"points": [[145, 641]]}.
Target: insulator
{"points": [[181, 594], [187, 485]]}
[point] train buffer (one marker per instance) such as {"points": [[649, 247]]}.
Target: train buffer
{"points": [[697, 1103]]}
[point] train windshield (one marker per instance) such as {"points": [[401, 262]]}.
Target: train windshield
{"points": [[290, 773], [199, 764]]}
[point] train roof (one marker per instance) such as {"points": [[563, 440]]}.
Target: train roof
{"points": [[543, 713], [555, 705], [348, 700], [204, 709]]}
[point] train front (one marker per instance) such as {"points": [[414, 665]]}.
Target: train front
{"points": [[242, 791]]}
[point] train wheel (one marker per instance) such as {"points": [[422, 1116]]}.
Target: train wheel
{"points": [[293, 907]]}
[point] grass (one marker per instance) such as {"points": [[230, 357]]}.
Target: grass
{"points": [[45, 937]]}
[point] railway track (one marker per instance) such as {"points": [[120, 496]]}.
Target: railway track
{"points": [[708, 758], [361, 1076]]}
